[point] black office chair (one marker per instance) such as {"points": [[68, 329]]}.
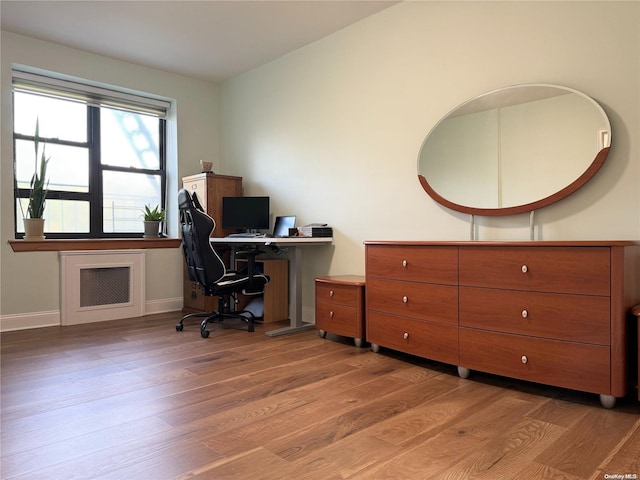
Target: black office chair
{"points": [[207, 268]]}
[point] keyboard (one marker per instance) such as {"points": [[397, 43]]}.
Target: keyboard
{"points": [[246, 235]]}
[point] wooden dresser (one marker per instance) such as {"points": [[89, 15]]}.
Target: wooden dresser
{"points": [[548, 312]]}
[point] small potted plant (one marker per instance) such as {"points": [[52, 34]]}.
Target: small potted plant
{"points": [[152, 220], [34, 221]]}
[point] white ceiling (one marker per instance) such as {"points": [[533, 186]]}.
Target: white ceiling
{"points": [[212, 39]]}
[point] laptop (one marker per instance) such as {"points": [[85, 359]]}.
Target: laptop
{"points": [[283, 224]]}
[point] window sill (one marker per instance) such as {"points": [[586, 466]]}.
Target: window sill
{"points": [[93, 244]]}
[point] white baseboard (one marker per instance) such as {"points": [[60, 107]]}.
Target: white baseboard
{"points": [[24, 321], [161, 306]]}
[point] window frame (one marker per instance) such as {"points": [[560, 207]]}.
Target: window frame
{"points": [[96, 169]]}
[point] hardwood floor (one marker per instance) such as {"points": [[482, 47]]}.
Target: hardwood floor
{"points": [[138, 400]]}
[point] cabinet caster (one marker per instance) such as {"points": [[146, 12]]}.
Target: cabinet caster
{"points": [[322, 333], [375, 348], [357, 342], [463, 372], [607, 401]]}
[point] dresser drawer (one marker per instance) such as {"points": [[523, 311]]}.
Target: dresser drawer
{"points": [[552, 362], [334, 293], [581, 270], [578, 318], [339, 319], [407, 262], [426, 301], [430, 340]]}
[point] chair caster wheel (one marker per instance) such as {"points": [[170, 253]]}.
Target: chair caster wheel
{"points": [[179, 327], [204, 333]]}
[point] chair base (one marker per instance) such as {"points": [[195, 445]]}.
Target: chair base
{"points": [[217, 316]]}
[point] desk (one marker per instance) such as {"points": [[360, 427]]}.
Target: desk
{"points": [[295, 272]]}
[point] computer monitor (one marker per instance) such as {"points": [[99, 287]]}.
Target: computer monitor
{"points": [[245, 213]]}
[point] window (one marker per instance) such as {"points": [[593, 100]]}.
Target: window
{"points": [[106, 150]]}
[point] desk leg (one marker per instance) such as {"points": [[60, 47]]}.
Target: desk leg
{"points": [[295, 297]]}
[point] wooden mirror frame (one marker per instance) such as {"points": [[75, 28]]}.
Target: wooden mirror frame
{"points": [[579, 182]]}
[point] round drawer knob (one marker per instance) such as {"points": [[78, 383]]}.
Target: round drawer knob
{"points": [[405, 263], [525, 269], [405, 299], [525, 314], [331, 293], [331, 314], [524, 359], [405, 336]]}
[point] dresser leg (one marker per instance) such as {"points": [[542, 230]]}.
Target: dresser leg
{"points": [[607, 401], [463, 372]]}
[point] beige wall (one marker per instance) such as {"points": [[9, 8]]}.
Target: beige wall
{"points": [[30, 281], [332, 131]]}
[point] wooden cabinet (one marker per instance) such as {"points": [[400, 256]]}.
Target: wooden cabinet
{"points": [[276, 293], [209, 189], [548, 312], [340, 306]]}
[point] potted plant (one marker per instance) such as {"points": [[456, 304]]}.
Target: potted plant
{"points": [[152, 220], [34, 221]]}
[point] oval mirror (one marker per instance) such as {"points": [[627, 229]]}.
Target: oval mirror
{"points": [[514, 150]]}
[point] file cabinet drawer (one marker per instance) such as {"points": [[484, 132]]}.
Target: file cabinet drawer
{"points": [[338, 319], [336, 293]]}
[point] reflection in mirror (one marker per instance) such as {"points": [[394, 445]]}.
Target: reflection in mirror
{"points": [[514, 150]]}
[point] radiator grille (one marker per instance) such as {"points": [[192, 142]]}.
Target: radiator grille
{"points": [[101, 285], [104, 286]]}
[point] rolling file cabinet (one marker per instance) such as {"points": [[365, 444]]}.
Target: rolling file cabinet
{"points": [[340, 306]]}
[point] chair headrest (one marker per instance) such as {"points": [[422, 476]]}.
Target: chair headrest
{"points": [[184, 200]]}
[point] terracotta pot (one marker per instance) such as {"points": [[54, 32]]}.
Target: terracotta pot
{"points": [[34, 229]]}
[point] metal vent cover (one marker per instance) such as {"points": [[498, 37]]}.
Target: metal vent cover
{"points": [[104, 286]]}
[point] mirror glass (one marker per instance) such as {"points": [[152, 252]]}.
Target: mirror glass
{"points": [[514, 150]]}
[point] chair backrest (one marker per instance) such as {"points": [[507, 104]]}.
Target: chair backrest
{"points": [[203, 263]]}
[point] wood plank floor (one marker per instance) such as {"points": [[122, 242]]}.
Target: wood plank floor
{"points": [[138, 400]]}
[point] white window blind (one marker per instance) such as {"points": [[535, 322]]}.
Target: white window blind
{"points": [[47, 85]]}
